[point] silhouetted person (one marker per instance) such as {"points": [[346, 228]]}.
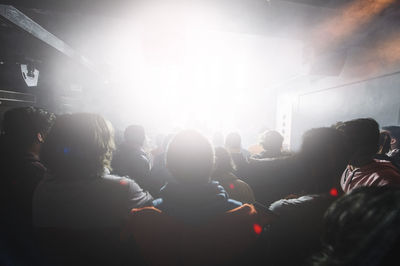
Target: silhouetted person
{"points": [[159, 174], [394, 152], [194, 222], [271, 141], [223, 173], [384, 148], [79, 207], [298, 225], [233, 144], [130, 159], [23, 133], [363, 170], [362, 228]]}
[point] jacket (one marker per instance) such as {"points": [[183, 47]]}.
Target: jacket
{"points": [[163, 239], [376, 173]]}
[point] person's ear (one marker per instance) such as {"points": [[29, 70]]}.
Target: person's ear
{"points": [[40, 137], [393, 141]]}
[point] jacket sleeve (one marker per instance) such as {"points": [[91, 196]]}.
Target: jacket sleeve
{"points": [[137, 196]]}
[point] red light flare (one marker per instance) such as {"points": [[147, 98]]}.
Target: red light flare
{"points": [[231, 186], [333, 192], [257, 229]]}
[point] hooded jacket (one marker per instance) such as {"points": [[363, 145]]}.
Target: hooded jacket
{"points": [[376, 173]]}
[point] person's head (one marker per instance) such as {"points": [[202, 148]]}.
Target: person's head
{"points": [[384, 142], [362, 228], [271, 140], [324, 153], [190, 158], [79, 145], [363, 139], [395, 135], [223, 161], [135, 135], [233, 142], [26, 128], [218, 139]]}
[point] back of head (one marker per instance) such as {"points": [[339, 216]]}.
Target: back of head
{"points": [[395, 135], [21, 126], [362, 136], [271, 140], [233, 141], [384, 142], [79, 145], [324, 151], [223, 161], [190, 158], [135, 135], [362, 228]]}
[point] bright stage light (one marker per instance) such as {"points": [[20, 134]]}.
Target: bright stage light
{"points": [[174, 70]]}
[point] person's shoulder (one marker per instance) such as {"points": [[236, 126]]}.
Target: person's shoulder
{"points": [[120, 181], [384, 167]]}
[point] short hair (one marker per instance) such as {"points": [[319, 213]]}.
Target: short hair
{"points": [[79, 145], [362, 135], [21, 126], [271, 139], [362, 228], [190, 157], [384, 142], [223, 160], [394, 133], [233, 140], [135, 134], [325, 148]]}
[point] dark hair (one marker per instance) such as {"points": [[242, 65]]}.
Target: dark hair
{"points": [[384, 142], [362, 228], [233, 140], [135, 135], [79, 145], [325, 149], [271, 139], [223, 161], [362, 135], [21, 126], [190, 157], [394, 133]]}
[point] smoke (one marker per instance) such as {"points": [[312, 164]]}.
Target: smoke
{"points": [[345, 23]]}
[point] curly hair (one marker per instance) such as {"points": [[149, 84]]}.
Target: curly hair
{"points": [[21, 126]]}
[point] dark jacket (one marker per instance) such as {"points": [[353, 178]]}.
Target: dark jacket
{"points": [[274, 179], [194, 204], [78, 220], [226, 239], [294, 236], [133, 162], [92, 202], [20, 176]]}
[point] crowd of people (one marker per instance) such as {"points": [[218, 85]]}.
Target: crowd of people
{"points": [[71, 196]]}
